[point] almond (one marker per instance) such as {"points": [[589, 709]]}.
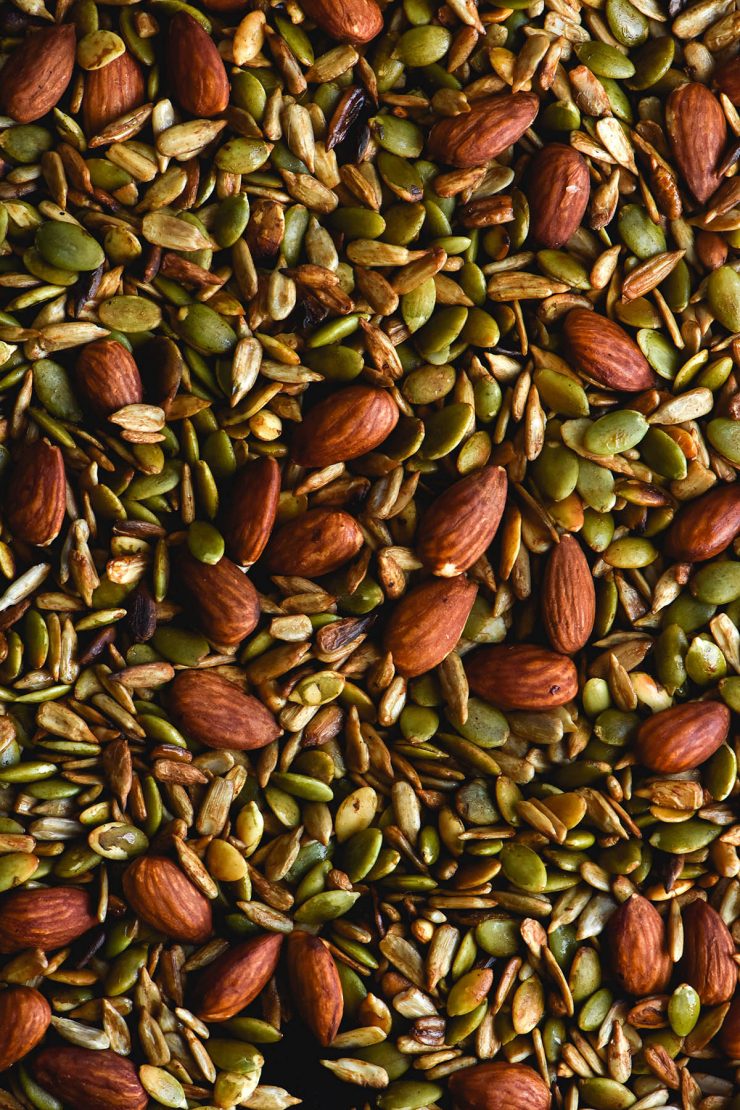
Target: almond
{"points": [[637, 949], [568, 597], [107, 377], [196, 70], [355, 21], [727, 79], [36, 496], [521, 676], [315, 543], [235, 979], [24, 1018], [558, 189], [708, 963], [45, 918], [37, 73], [499, 1086], [706, 526], [111, 92], [227, 604], [427, 623], [250, 512], [345, 425], [215, 713], [164, 897], [683, 737], [697, 131], [461, 524], [492, 124], [603, 352], [315, 985], [90, 1079], [729, 1035]]}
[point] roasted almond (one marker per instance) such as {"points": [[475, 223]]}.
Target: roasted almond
{"points": [[164, 897], [729, 1034], [226, 602], [250, 511], [215, 713], [36, 495], [196, 70], [235, 979], [24, 1018], [111, 92], [708, 963], [461, 524], [89, 1079], [492, 124], [706, 526], [37, 73], [683, 737], [355, 21], [727, 79], [558, 187], [697, 131], [499, 1086], [45, 918], [637, 948], [427, 623], [521, 676], [315, 543], [315, 985], [603, 352], [568, 597], [107, 377], [345, 425]]}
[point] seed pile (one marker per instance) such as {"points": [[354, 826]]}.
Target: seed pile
{"points": [[369, 650]]}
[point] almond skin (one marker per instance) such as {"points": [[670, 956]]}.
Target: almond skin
{"points": [[697, 132], [111, 92], [315, 543], [558, 188], [683, 737], [427, 623], [355, 21], [708, 964], [24, 1018], [345, 425], [492, 124], [729, 1035], [235, 979], [107, 377], [602, 351], [499, 1086], [461, 524], [195, 67], [37, 73], [568, 597], [707, 526], [90, 1079], [45, 919], [636, 944], [521, 676], [315, 985], [36, 494], [250, 513], [163, 896], [227, 603], [214, 713]]}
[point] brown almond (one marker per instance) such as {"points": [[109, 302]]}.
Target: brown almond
{"points": [[427, 623], [568, 597], [706, 526], [213, 712], [637, 948], [521, 676], [111, 92], [558, 187], [45, 918], [729, 1035], [90, 1079], [164, 897], [708, 963], [250, 511], [345, 425], [461, 524], [227, 604], [235, 979], [24, 1018], [36, 74], [196, 70], [315, 985], [107, 377], [697, 131], [727, 79], [499, 1085], [36, 495], [492, 124], [355, 21], [683, 737], [603, 352], [315, 543]]}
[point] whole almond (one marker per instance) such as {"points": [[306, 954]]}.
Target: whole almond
{"points": [[107, 377], [706, 526], [697, 131], [249, 514], [683, 737], [492, 124], [315, 543], [24, 1018], [729, 1034], [637, 948], [727, 79], [37, 73], [315, 985], [521, 676], [345, 425], [235, 979], [196, 70], [427, 623], [111, 92], [708, 963], [499, 1086], [557, 187], [89, 1079], [45, 919], [215, 713], [568, 597], [603, 352], [354, 21], [164, 897], [226, 602], [461, 524], [36, 497]]}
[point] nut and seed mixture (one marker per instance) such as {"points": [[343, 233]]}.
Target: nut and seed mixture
{"points": [[369, 599]]}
